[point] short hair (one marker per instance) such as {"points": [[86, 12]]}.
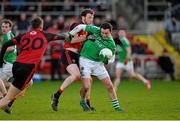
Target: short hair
{"points": [[106, 26], [7, 21], [36, 22], [87, 11]]}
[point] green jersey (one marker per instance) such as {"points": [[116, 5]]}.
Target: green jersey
{"points": [[91, 48], [121, 49], [9, 56]]}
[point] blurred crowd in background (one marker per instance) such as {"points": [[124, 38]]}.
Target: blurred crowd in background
{"points": [[61, 23]]}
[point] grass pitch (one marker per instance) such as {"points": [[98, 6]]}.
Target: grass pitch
{"points": [[162, 102]]}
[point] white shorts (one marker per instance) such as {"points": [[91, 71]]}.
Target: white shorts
{"points": [[89, 67], [6, 71], [127, 67]]}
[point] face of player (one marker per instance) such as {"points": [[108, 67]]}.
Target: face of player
{"points": [[5, 27], [88, 19], [105, 33]]}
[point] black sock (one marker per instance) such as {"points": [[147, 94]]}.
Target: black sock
{"points": [[57, 94], [11, 103]]}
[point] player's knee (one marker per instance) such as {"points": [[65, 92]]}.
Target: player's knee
{"points": [[86, 89], [132, 75], [76, 76]]}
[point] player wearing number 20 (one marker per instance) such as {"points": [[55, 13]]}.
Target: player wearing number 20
{"points": [[32, 47]]}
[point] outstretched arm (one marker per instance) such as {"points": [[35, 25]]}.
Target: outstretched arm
{"points": [[128, 56], [77, 29]]}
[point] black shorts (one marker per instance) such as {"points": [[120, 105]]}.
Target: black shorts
{"points": [[70, 57], [22, 74]]}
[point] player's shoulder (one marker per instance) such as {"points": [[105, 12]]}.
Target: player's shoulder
{"points": [[73, 25], [124, 39]]}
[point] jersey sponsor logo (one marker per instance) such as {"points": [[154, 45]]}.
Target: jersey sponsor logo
{"points": [[33, 32]]}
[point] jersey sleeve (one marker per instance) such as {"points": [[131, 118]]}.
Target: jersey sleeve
{"points": [[17, 39], [92, 29], [53, 37]]}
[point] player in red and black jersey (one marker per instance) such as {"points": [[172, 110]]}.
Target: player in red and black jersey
{"points": [[32, 47], [71, 57]]}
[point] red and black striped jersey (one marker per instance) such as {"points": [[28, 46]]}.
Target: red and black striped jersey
{"points": [[32, 45]]}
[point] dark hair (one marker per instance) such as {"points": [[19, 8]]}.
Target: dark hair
{"points": [[86, 11], [37, 22], [7, 21], [106, 26]]}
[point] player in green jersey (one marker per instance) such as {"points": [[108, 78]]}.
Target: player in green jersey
{"points": [[92, 63], [9, 58], [125, 61]]}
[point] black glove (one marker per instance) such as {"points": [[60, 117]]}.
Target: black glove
{"points": [[1, 63]]}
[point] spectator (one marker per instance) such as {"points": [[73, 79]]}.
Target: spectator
{"points": [[108, 18], [56, 53], [166, 64], [171, 25], [97, 21], [18, 5], [122, 24], [23, 23], [54, 28], [47, 22]]}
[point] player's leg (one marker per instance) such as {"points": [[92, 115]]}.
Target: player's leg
{"points": [[22, 74], [118, 71], [85, 68], [25, 89], [88, 96], [117, 80], [86, 84], [101, 72], [7, 109], [5, 74], [2, 88], [137, 76], [112, 93], [74, 72], [11, 94]]}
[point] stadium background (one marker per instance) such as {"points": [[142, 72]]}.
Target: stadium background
{"points": [[144, 21]]}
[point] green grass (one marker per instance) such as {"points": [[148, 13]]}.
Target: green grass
{"points": [[162, 102]]}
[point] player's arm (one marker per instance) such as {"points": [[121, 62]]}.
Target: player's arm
{"points": [[77, 29], [3, 50], [54, 37], [78, 38], [128, 55]]}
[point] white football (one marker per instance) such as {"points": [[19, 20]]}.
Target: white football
{"points": [[106, 52]]}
